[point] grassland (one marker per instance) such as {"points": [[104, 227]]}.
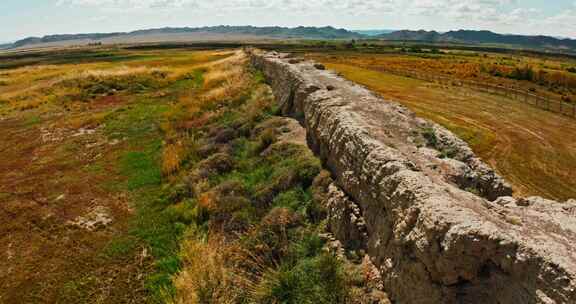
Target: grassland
{"points": [[80, 134], [532, 148], [154, 176]]}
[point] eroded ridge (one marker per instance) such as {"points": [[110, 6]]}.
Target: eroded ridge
{"points": [[439, 224]]}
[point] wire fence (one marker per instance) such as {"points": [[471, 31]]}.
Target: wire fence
{"points": [[543, 102]]}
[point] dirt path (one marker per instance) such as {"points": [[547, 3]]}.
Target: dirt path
{"points": [[531, 148]]}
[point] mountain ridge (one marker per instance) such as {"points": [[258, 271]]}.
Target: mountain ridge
{"points": [[483, 37], [478, 37], [327, 32]]}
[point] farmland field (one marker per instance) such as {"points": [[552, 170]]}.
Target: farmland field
{"points": [[532, 148]]}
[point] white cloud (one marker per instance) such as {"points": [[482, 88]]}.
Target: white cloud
{"points": [[506, 15], [452, 8], [135, 4]]}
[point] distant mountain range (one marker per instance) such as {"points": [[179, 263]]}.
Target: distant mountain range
{"points": [[242, 33], [272, 32], [483, 37]]}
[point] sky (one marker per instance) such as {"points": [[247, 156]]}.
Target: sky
{"points": [[24, 18]]}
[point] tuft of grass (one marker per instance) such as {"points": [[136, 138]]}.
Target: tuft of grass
{"points": [[311, 280], [206, 279], [172, 157]]}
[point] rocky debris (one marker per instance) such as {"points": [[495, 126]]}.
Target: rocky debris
{"points": [[289, 131], [97, 218], [53, 134], [319, 66], [432, 229], [295, 60], [83, 131]]}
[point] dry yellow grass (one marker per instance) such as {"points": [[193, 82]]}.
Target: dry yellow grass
{"points": [[173, 155], [23, 83], [205, 277], [224, 80]]}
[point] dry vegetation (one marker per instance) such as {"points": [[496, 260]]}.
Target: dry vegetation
{"points": [[81, 131], [534, 149], [554, 77], [176, 156]]}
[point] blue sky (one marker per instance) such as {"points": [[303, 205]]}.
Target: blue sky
{"points": [[23, 18]]}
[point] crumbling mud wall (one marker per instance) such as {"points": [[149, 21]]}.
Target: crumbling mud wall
{"points": [[437, 222]]}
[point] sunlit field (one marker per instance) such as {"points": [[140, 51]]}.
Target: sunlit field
{"points": [[157, 177], [532, 148], [85, 135]]}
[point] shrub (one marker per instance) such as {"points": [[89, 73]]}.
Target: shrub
{"points": [[430, 136], [216, 164]]}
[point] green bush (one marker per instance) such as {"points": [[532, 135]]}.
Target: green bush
{"points": [[430, 135]]}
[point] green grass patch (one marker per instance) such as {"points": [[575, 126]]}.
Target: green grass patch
{"points": [[192, 80], [142, 167], [32, 120], [136, 120], [120, 247]]}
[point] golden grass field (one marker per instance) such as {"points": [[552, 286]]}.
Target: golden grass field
{"points": [[553, 77], [533, 149]]}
